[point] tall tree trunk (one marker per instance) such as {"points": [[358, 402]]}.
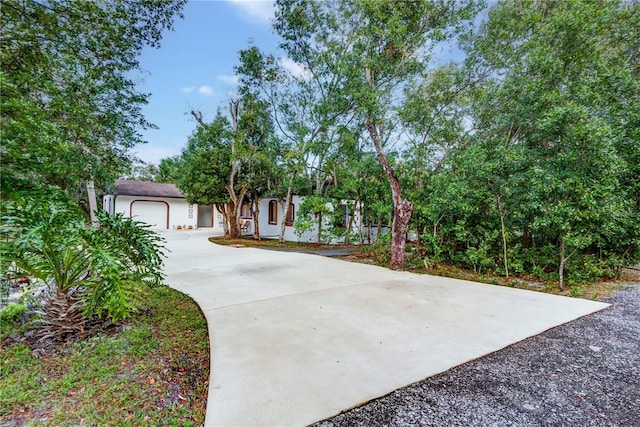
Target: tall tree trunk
{"points": [[236, 202], [349, 225], [234, 230], [563, 261], [319, 234], [402, 208], [93, 206], [225, 219], [283, 224], [238, 207], [369, 230], [255, 213], [504, 236], [360, 223]]}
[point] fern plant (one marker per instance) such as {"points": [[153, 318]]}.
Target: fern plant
{"points": [[88, 272]]}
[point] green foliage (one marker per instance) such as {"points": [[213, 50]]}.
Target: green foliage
{"points": [[167, 343], [312, 212], [44, 235], [527, 154], [9, 315], [70, 109], [168, 170], [381, 249], [479, 257], [125, 256], [303, 223], [523, 160], [205, 164]]}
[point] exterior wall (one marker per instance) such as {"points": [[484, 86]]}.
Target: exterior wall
{"points": [[181, 213], [208, 216], [273, 230], [218, 219], [184, 215]]}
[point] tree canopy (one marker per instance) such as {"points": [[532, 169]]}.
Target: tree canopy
{"points": [[70, 109], [69, 114], [522, 159]]}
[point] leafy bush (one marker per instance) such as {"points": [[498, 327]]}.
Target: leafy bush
{"points": [[381, 249], [479, 258], [90, 272], [303, 223], [9, 315], [431, 250]]}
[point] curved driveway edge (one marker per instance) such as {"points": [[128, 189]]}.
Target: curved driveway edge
{"points": [[297, 338]]}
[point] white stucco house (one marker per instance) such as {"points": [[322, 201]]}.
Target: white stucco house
{"points": [[164, 207], [272, 212]]}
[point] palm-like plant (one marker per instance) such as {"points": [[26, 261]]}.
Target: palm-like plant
{"points": [[88, 273]]}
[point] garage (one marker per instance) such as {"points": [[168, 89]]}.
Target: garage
{"points": [[154, 213], [158, 204]]}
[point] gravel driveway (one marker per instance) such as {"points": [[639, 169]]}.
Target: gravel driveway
{"points": [[582, 373]]}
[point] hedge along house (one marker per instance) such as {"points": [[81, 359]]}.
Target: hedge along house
{"points": [[162, 206]]}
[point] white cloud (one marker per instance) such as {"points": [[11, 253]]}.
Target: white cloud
{"points": [[294, 68], [188, 89], [205, 90], [228, 79], [261, 10]]}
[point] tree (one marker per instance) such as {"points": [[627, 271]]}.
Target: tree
{"points": [[143, 172], [69, 113], [309, 115], [563, 93], [70, 110], [205, 164], [375, 47], [246, 142], [168, 170], [90, 273]]}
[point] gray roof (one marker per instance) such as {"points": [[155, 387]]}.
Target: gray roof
{"points": [[126, 187]]}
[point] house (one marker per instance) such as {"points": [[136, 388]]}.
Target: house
{"points": [[162, 206], [272, 212]]}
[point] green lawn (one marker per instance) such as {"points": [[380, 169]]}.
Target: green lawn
{"points": [[151, 370]]}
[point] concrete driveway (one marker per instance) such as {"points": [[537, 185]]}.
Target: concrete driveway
{"points": [[297, 338]]}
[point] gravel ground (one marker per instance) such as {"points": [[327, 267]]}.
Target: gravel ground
{"points": [[583, 373]]}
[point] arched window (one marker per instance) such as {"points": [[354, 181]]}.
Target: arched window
{"points": [[290, 215], [273, 212]]}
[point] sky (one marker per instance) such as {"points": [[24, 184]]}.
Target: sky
{"points": [[193, 68]]}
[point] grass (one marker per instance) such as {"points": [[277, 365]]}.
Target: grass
{"points": [[250, 242], [153, 371]]}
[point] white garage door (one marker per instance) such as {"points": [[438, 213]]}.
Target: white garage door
{"points": [[156, 214]]}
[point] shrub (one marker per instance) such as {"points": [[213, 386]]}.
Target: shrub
{"points": [[9, 316], [381, 249], [89, 272]]}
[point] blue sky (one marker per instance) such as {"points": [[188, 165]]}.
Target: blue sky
{"points": [[193, 68]]}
